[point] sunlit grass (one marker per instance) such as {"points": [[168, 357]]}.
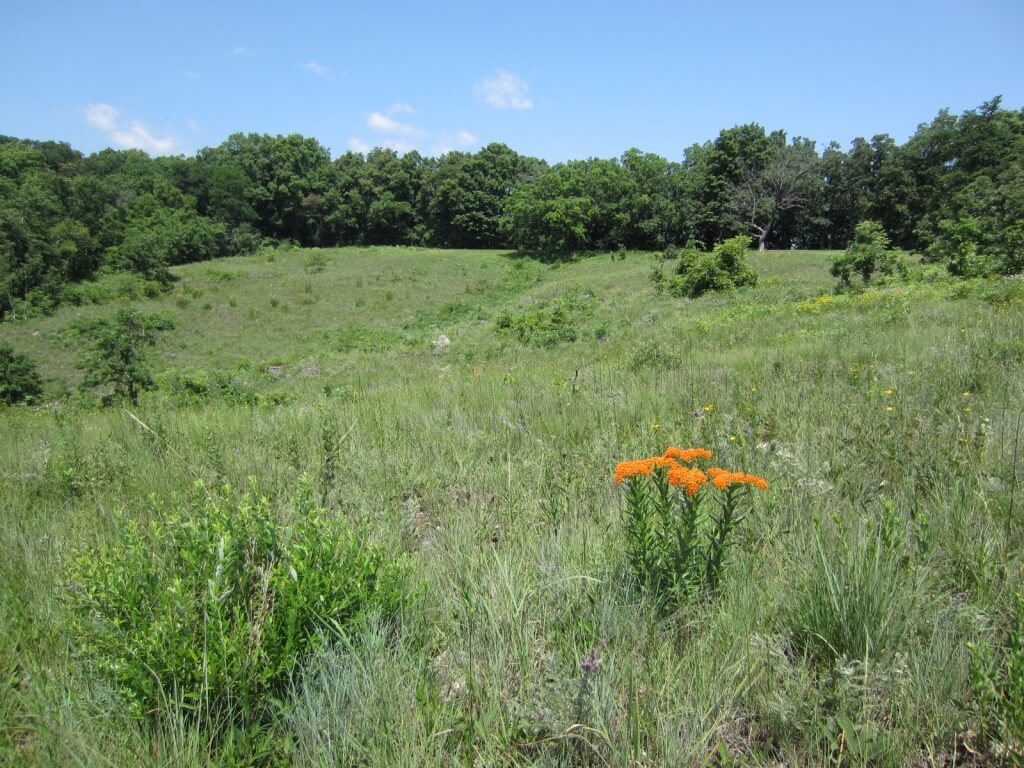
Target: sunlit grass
{"points": [[490, 463]]}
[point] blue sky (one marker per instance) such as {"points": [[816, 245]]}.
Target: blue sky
{"points": [[558, 80]]}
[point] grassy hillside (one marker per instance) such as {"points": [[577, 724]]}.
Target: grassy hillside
{"points": [[883, 421]]}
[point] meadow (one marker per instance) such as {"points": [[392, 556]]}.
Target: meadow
{"points": [[885, 422]]}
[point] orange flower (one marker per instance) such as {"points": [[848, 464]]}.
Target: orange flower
{"points": [[722, 479], [688, 455], [691, 478], [627, 469]]}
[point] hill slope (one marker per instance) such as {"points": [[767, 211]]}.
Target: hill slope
{"points": [[881, 419]]}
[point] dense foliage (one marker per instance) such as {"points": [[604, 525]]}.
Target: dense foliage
{"points": [[722, 268], [216, 604], [114, 353], [19, 380], [954, 190], [868, 254]]}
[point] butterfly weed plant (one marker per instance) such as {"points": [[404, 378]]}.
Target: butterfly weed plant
{"points": [[679, 521]]}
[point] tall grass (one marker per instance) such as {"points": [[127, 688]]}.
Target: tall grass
{"points": [[856, 602], [489, 464]]}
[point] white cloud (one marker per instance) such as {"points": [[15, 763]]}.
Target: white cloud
{"points": [[505, 91], [317, 68], [192, 125], [190, 74], [398, 108], [401, 146], [135, 136], [103, 116], [138, 137], [240, 51], [358, 145], [386, 124], [448, 142]]}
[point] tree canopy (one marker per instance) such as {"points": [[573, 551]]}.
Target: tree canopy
{"points": [[954, 191]]}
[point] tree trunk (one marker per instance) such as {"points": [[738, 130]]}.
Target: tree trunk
{"points": [[764, 235]]}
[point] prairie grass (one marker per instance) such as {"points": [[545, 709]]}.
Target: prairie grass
{"points": [[884, 423]]}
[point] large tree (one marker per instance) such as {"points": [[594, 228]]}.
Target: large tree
{"points": [[770, 184]]}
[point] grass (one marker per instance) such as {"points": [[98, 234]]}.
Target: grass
{"points": [[885, 417]]}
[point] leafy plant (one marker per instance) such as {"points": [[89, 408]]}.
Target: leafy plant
{"points": [[19, 380], [997, 681], [116, 351], [215, 604], [679, 521], [868, 254], [549, 322], [316, 261], [722, 269], [653, 355], [957, 246]]}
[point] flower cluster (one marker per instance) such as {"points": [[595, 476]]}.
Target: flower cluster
{"points": [[692, 479], [627, 469], [689, 455], [723, 478]]}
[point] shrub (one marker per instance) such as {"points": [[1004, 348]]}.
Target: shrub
{"points": [[115, 352], [126, 286], [549, 322], [653, 355], [957, 247], [868, 254], [997, 681], [19, 380], [316, 262], [214, 605], [679, 521], [722, 269]]}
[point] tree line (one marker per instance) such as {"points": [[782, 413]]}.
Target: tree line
{"points": [[954, 192]]}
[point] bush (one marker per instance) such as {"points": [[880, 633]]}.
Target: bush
{"points": [[722, 269], [115, 351], [957, 247], [19, 380], [549, 322], [654, 355], [214, 605], [194, 385], [125, 286], [316, 262], [867, 255]]}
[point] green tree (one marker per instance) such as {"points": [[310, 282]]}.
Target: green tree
{"points": [[771, 183], [572, 207], [116, 351], [19, 380], [868, 253]]}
